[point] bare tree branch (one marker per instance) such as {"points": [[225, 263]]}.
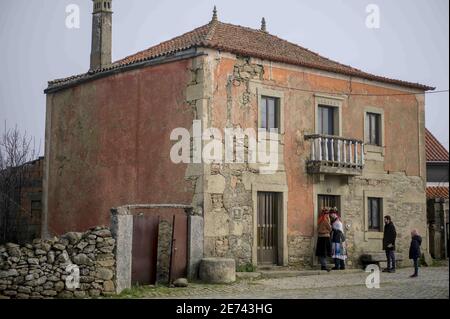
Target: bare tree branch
{"points": [[16, 150]]}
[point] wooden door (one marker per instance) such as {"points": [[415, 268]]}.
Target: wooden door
{"points": [[267, 226], [178, 268]]}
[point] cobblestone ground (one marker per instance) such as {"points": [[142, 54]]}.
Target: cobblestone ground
{"points": [[433, 282]]}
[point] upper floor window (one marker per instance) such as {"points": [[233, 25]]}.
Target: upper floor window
{"points": [[374, 208], [269, 113], [373, 129], [328, 121]]}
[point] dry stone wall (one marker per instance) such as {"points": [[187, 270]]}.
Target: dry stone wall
{"points": [[75, 265]]}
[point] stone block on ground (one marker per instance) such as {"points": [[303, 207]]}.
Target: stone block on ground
{"points": [[217, 270], [427, 259], [181, 282]]}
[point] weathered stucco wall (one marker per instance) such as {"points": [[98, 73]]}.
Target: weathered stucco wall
{"points": [[108, 145], [229, 208], [230, 188]]}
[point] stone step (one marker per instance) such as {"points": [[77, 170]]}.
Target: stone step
{"points": [[271, 274]]}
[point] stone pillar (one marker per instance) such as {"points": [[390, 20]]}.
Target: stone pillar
{"points": [[122, 231], [195, 245], [165, 233]]}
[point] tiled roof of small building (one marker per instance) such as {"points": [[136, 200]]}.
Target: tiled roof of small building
{"points": [[437, 192], [246, 42], [435, 151]]}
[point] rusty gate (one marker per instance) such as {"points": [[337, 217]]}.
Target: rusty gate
{"points": [[144, 251], [145, 246]]}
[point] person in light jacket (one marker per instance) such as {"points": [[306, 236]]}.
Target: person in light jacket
{"points": [[414, 251]]}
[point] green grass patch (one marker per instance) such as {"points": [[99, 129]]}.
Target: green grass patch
{"points": [[439, 263], [248, 267], [143, 291]]}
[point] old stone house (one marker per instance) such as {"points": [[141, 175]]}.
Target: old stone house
{"points": [[21, 202], [437, 196], [344, 138]]}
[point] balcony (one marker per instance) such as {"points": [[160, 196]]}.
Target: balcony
{"points": [[335, 155]]}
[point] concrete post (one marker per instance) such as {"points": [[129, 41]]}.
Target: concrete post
{"points": [[195, 245], [122, 231]]}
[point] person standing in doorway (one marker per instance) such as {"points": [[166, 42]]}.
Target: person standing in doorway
{"points": [[389, 237], [337, 241], [414, 251], [323, 248]]}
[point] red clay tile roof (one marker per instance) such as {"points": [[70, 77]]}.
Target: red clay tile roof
{"points": [[435, 151], [247, 42], [437, 192]]}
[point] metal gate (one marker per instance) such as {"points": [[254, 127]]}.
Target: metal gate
{"points": [[178, 262], [145, 247], [144, 251], [267, 226]]}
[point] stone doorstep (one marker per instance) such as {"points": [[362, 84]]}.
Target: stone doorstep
{"points": [[271, 274]]}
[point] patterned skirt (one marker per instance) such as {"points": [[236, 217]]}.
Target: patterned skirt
{"points": [[339, 251]]}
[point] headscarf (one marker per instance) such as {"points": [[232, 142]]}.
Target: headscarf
{"points": [[324, 216]]}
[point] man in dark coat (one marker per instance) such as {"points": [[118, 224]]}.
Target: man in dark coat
{"points": [[389, 237], [414, 251]]}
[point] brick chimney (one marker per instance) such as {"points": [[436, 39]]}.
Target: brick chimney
{"points": [[101, 34]]}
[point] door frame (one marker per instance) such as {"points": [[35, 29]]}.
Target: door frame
{"points": [[269, 208], [282, 221], [331, 185]]}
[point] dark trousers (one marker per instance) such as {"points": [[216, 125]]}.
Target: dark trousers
{"points": [[390, 257], [416, 266], [339, 263], [323, 261]]}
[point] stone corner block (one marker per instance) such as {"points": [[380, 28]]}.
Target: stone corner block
{"points": [[216, 184], [216, 270]]}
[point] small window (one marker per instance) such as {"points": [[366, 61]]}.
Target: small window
{"points": [[375, 211], [373, 129], [270, 113]]}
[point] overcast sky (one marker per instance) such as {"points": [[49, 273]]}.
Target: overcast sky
{"points": [[411, 44]]}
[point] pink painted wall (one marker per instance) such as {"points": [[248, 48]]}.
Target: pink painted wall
{"points": [[110, 145]]}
